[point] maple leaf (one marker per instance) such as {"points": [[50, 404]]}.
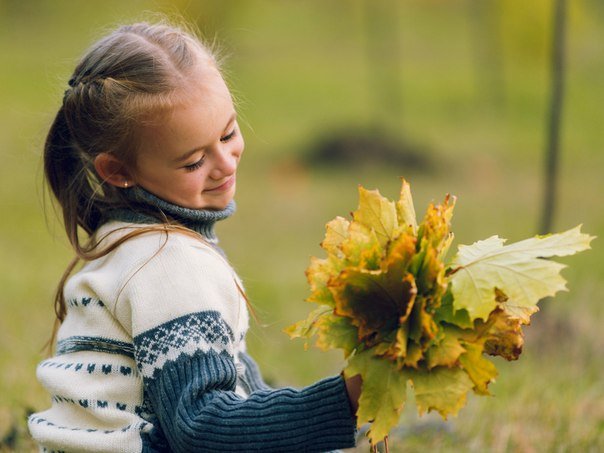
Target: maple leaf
{"points": [[435, 228], [309, 326], [400, 314], [375, 301], [405, 210], [383, 393], [446, 351], [448, 314], [377, 213], [442, 389], [503, 335], [480, 370], [318, 274], [361, 248], [336, 332], [336, 232], [518, 270]]}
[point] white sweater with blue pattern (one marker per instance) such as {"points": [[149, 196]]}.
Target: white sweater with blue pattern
{"points": [[151, 357]]}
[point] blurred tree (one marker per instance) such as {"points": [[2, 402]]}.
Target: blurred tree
{"points": [[554, 121]]}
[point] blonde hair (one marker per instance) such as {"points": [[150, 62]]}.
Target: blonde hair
{"points": [[124, 79]]}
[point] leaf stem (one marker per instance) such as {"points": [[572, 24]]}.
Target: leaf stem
{"points": [[453, 271]]}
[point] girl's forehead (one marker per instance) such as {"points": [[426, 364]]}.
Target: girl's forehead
{"points": [[203, 89], [205, 85], [201, 114]]}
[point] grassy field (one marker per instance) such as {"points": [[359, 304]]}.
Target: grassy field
{"points": [[300, 71]]}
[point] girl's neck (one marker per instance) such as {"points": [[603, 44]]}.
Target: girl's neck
{"points": [[200, 220]]}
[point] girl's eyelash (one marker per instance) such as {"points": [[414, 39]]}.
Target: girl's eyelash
{"points": [[194, 166], [229, 136]]}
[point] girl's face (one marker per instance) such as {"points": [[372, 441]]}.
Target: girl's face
{"points": [[190, 157]]}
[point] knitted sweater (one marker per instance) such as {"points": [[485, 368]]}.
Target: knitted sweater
{"points": [[151, 357]]}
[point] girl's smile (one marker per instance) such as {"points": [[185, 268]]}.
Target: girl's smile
{"points": [[223, 187]]}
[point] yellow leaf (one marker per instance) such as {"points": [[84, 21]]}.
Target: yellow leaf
{"points": [[414, 355], [378, 214], [481, 370], [405, 209], [503, 336], [517, 269], [336, 231], [307, 327], [442, 389], [383, 393], [336, 332], [361, 248], [445, 352], [318, 274], [435, 228]]}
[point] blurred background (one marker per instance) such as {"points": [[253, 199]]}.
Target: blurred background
{"points": [[454, 95]]}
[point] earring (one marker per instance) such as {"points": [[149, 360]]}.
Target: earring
{"points": [[125, 184]]}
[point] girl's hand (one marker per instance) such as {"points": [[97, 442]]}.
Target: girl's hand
{"points": [[353, 387]]}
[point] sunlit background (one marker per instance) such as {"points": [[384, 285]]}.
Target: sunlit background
{"points": [[451, 94]]}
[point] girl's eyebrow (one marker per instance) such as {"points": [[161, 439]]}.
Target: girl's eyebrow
{"points": [[189, 153]]}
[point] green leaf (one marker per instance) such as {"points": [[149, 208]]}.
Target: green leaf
{"points": [[481, 370], [307, 327], [361, 248], [404, 208], [336, 332], [517, 269], [383, 393], [446, 351], [446, 313], [442, 389]]}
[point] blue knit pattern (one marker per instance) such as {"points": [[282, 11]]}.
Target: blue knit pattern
{"points": [[199, 220], [185, 335], [198, 409]]}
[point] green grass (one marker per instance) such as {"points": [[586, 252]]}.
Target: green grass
{"points": [[299, 70]]}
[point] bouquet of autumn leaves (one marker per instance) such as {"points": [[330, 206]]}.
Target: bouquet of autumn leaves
{"points": [[401, 314]]}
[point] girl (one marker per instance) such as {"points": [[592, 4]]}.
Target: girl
{"points": [[150, 355]]}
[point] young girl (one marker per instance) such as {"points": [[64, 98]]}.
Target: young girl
{"points": [[150, 354]]}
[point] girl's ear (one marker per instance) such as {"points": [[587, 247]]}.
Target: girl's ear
{"points": [[112, 170]]}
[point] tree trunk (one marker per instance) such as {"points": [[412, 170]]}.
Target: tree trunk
{"points": [[554, 116]]}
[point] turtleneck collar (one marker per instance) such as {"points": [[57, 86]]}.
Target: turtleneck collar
{"points": [[199, 220]]}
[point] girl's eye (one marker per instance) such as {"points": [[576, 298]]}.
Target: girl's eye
{"points": [[194, 166], [229, 136]]}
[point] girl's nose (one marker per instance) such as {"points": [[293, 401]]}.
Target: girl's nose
{"points": [[226, 160]]}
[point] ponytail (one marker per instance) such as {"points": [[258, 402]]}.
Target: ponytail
{"points": [[70, 181]]}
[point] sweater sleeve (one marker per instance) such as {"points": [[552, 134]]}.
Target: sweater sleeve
{"points": [[198, 409], [252, 379], [186, 317]]}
